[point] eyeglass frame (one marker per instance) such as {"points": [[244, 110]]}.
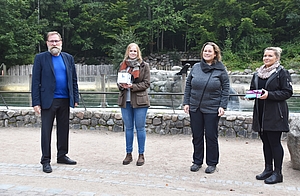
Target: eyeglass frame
{"points": [[54, 41]]}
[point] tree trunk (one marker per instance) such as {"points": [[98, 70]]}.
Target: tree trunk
{"points": [[162, 40], [157, 42], [151, 31], [185, 41]]}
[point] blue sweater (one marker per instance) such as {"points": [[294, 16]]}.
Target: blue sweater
{"points": [[61, 88]]}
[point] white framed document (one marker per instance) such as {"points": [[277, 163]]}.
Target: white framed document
{"points": [[124, 78]]}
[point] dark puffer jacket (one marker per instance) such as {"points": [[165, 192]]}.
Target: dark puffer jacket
{"points": [[275, 112], [207, 87]]}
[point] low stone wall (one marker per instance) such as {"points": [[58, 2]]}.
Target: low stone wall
{"points": [[233, 124]]}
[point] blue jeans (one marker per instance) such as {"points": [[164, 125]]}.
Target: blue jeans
{"points": [[134, 117]]}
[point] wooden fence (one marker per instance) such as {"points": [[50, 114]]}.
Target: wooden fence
{"points": [[82, 70]]}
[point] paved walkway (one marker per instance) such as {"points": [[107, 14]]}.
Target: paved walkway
{"points": [[166, 172]]}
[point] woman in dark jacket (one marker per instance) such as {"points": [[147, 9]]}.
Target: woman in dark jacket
{"points": [[134, 101], [205, 99], [270, 112]]}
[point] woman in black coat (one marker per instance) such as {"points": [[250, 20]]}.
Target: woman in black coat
{"points": [[270, 112]]}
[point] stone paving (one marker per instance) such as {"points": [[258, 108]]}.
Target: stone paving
{"points": [[166, 172]]}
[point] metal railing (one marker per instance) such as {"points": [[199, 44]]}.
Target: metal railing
{"points": [[94, 99]]}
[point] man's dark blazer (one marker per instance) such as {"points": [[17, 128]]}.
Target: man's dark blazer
{"points": [[43, 80]]}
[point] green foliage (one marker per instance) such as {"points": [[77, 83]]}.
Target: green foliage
{"points": [[91, 61], [118, 49], [102, 28], [86, 37], [290, 57], [19, 35], [175, 57]]}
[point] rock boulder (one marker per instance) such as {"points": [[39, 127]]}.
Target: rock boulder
{"points": [[293, 143]]}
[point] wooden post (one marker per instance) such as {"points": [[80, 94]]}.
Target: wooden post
{"points": [[3, 69], [30, 83], [183, 83], [103, 100]]}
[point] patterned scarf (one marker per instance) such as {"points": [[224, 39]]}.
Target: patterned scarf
{"points": [[134, 67], [264, 72]]}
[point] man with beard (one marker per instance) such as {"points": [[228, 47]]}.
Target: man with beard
{"points": [[54, 90]]}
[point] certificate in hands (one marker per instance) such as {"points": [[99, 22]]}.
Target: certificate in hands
{"points": [[124, 78]]}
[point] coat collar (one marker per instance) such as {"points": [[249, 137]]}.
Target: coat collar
{"points": [[207, 68]]}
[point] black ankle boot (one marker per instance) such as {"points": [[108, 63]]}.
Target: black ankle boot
{"points": [[266, 173], [276, 177]]}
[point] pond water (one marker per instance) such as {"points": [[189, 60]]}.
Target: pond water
{"points": [[91, 84], [236, 103]]}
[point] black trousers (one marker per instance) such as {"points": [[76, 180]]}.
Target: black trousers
{"points": [[272, 148], [205, 125], [60, 110]]}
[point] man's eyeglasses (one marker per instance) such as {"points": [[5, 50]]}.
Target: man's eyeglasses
{"points": [[54, 41]]}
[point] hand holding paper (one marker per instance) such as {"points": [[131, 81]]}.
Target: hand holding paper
{"points": [[124, 78], [253, 94]]}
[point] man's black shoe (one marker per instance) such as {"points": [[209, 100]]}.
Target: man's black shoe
{"points": [[195, 167], [66, 160], [47, 168], [210, 169]]}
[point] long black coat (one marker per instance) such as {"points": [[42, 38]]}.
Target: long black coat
{"points": [[275, 112]]}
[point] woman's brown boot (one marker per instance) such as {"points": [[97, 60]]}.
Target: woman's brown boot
{"points": [[127, 159], [141, 160]]}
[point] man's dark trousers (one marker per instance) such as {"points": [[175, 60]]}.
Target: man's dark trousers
{"points": [[60, 110]]}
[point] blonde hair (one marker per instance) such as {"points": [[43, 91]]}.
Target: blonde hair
{"points": [[216, 49], [139, 55], [53, 33], [276, 50]]}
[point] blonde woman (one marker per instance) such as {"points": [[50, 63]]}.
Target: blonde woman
{"points": [[134, 101], [270, 112]]}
